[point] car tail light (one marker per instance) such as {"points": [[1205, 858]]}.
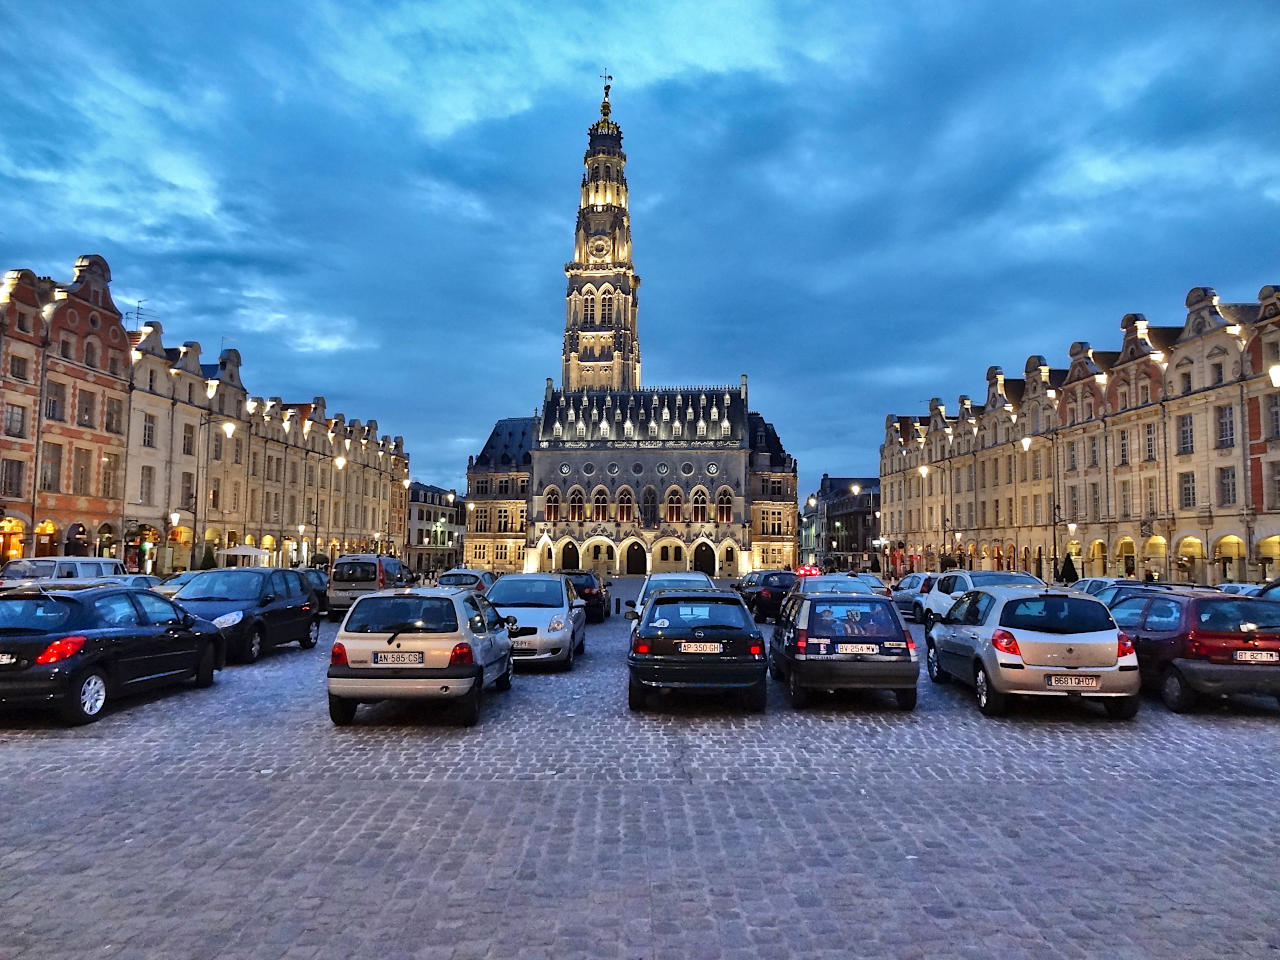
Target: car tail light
{"points": [[1005, 642], [59, 650], [802, 642], [462, 655], [1195, 647], [764, 592], [755, 649], [926, 586], [338, 656], [641, 646], [1124, 646], [911, 642]]}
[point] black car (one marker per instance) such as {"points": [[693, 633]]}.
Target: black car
{"points": [[764, 598], [1123, 591], [590, 589], [319, 581], [695, 640], [76, 648], [255, 608], [843, 641]]}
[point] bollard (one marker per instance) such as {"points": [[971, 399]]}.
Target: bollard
{"points": [[617, 604]]}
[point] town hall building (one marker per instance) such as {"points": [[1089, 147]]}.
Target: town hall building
{"points": [[614, 476]]}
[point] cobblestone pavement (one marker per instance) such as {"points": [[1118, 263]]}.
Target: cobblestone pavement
{"points": [[238, 822]]}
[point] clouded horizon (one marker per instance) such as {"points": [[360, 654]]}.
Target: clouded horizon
{"points": [[861, 206]]}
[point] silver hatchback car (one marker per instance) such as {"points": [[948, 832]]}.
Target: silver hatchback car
{"points": [[1034, 641]]}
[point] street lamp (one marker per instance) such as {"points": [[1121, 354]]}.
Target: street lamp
{"points": [[197, 534]]}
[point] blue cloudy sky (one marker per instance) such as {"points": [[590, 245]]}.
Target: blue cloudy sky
{"points": [[860, 205]]}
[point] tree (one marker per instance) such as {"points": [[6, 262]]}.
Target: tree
{"points": [[208, 562], [1068, 573]]}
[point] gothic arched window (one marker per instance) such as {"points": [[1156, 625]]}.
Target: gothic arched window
{"points": [[91, 354], [553, 506], [626, 507], [649, 507], [724, 507], [588, 308], [699, 507], [600, 506], [606, 309], [675, 506], [577, 506]]}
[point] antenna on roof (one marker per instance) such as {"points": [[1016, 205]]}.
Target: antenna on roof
{"points": [[136, 313]]}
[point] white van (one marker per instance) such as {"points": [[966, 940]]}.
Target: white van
{"points": [[61, 568], [355, 574]]}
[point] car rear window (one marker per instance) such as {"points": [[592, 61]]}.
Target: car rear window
{"points": [[779, 579], [35, 614], [1237, 615], [676, 613], [1057, 614], [407, 614], [852, 618], [455, 580], [580, 580], [835, 585], [26, 569], [355, 571]]}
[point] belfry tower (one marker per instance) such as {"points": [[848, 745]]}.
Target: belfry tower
{"points": [[601, 348]]}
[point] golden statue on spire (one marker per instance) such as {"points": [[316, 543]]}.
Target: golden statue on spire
{"points": [[604, 104]]}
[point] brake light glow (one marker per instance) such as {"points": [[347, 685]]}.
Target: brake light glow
{"points": [[1124, 646], [755, 650], [338, 656], [1006, 642], [60, 650], [911, 642], [764, 592], [802, 642], [641, 646], [462, 655]]}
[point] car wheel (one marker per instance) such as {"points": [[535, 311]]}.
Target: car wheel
{"points": [[936, 673], [917, 613], [504, 682], [469, 708], [928, 620], [775, 671], [341, 710], [906, 699], [757, 697], [1121, 708], [313, 635], [636, 695], [86, 698], [204, 667], [991, 701], [582, 643], [607, 611], [1176, 694], [569, 661], [797, 694], [253, 645]]}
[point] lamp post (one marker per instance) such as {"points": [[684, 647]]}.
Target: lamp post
{"points": [[340, 462], [302, 553], [197, 533]]}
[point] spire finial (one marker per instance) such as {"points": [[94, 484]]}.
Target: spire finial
{"points": [[608, 82]]}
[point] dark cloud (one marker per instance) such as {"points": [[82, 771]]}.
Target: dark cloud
{"points": [[859, 207]]}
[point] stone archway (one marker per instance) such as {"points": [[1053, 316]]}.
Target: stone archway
{"points": [[704, 559], [637, 560], [569, 558]]}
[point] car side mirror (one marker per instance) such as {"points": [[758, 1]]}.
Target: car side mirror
{"points": [[579, 604], [267, 598], [188, 620], [511, 622], [631, 615]]}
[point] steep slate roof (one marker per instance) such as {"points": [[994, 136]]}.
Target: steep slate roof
{"points": [[765, 439], [512, 438], [643, 405], [1163, 338]]}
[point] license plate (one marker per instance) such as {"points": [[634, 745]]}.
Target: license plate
{"points": [[8, 658], [1249, 656], [1072, 682], [701, 647], [398, 656], [857, 648], [524, 644]]}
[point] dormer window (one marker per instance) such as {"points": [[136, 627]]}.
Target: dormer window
{"points": [[1216, 372], [1186, 383]]}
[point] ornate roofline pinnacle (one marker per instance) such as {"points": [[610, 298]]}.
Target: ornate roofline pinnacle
{"points": [[605, 106]]}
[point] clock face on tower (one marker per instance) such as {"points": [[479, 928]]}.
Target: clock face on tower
{"points": [[599, 247]]}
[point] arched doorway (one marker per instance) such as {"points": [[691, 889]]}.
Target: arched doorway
{"points": [[46, 539], [704, 559], [12, 533], [1228, 557], [569, 559], [1190, 560], [106, 540], [636, 561], [1126, 556], [77, 544]]}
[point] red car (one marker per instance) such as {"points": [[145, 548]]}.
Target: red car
{"points": [[1203, 643], [808, 570]]}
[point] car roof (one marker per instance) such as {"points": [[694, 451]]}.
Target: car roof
{"points": [[556, 575], [69, 587], [845, 595], [1015, 591], [673, 574], [451, 592], [695, 592]]}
